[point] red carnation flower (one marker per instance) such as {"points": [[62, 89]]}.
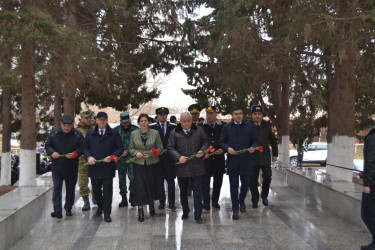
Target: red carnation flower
{"points": [[75, 155], [155, 152], [116, 159]]}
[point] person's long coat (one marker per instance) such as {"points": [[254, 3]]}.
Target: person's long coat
{"points": [[180, 144], [238, 137], [266, 138], [166, 162], [214, 165]]}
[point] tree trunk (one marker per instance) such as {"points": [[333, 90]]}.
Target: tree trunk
{"points": [[69, 97], [285, 136], [6, 112], [70, 86], [341, 112], [57, 109], [28, 128], [6, 133]]}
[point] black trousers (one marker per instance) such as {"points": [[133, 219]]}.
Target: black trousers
{"points": [[266, 175], [183, 182], [218, 181], [103, 196], [368, 211], [70, 183], [171, 192]]}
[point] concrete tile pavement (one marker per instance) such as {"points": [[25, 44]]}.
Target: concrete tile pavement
{"points": [[291, 221]]}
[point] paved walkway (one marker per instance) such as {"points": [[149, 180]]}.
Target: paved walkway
{"points": [[289, 222]]}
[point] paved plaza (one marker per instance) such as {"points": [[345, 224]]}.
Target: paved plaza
{"points": [[291, 221]]}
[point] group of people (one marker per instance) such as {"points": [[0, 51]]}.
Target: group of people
{"points": [[152, 153]]}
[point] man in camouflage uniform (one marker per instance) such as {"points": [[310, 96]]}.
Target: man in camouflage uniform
{"points": [[125, 129], [86, 122]]}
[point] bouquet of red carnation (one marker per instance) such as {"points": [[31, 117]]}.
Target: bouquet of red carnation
{"points": [[75, 155], [259, 148], [115, 158], [242, 151], [155, 153], [208, 152]]}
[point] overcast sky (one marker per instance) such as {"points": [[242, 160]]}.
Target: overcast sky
{"points": [[171, 94]]}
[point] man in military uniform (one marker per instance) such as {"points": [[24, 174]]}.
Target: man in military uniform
{"points": [[125, 129], [266, 138], [214, 166], [166, 162], [86, 122], [195, 111]]}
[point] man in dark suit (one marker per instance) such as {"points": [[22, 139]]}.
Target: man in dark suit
{"points": [[188, 139], [166, 162], [100, 144], [215, 165], [61, 145], [238, 135]]}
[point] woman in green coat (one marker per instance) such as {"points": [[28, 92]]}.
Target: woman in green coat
{"points": [[146, 168]]}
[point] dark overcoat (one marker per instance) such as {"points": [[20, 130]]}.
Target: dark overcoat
{"points": [[238, 137], [369, 160], [214, 165], [266, 138], [180, 144], [166, 162], [64, 143], [100, 147]]}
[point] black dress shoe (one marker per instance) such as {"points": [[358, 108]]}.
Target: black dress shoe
{"points": [[172, 207], [184, 216], [370, 246], [152, 209], [206, 206], [265, 202], [198, 219], [216, 205], [141, 215], [242, 207], [161, 205], [255, 205], [124, 201], [107, 218], [99, 212], [56, 215], [69, 213]]}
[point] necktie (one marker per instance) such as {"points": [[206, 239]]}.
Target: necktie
{"points": [[163, 128], [101, 132], [212, 125], [187, 132]]}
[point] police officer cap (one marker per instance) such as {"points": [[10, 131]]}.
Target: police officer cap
{"points": [[211, 109], [102, 114], [124, 117], [194, 108], [86, 113], [67, 119], [257, 108], [162, 110]]}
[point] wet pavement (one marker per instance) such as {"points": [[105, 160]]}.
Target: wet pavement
{"points": [[291, 221]]}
